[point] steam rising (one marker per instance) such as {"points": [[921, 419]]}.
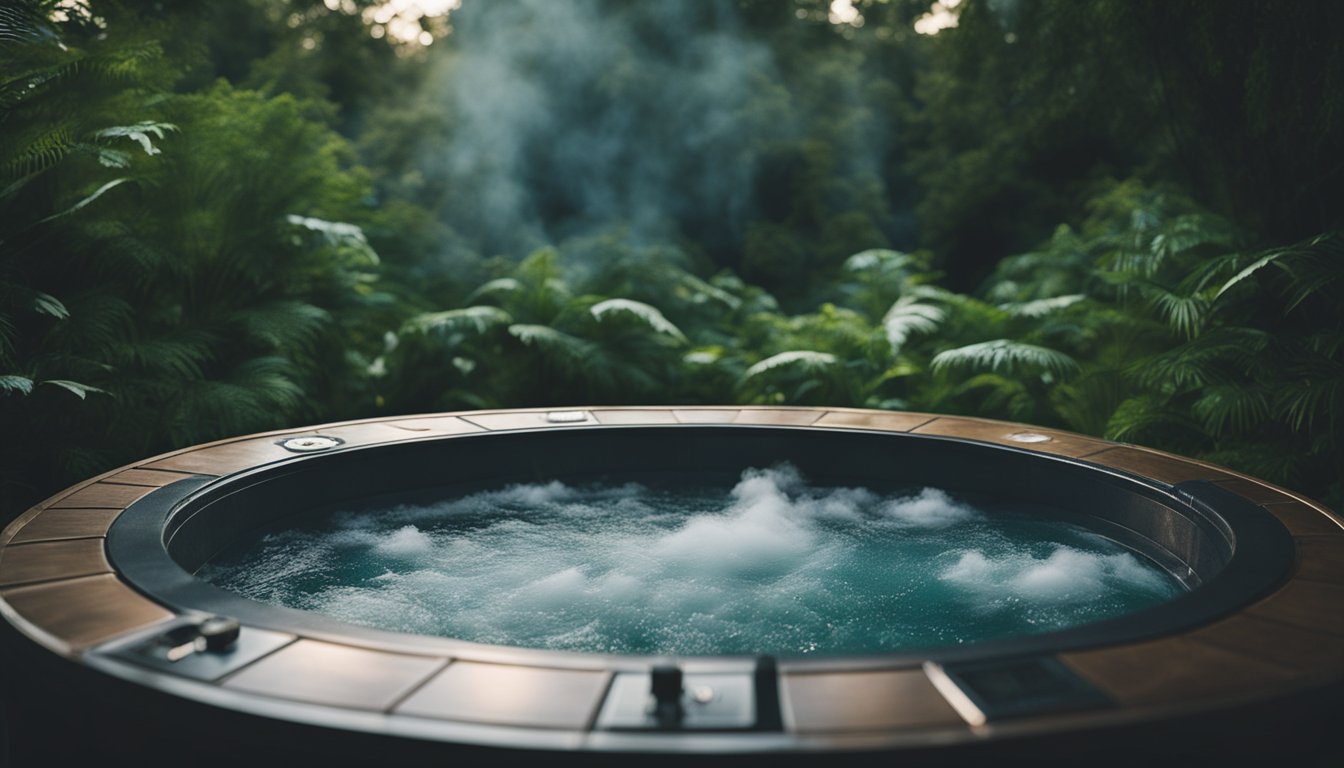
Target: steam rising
{"points": [[572, 117], [774, 565]]}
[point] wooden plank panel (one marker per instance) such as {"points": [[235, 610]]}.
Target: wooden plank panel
{"points": [[223, 459], [1318, 655], [45, 561], [1321, 558], [527, 419], [828, 702], [151, 477], [1176, 671], [1311, 605], [502, 694], [1157, 466], [445, 425], [54, 524], [1015, 435], [635, 416], [1260, 493], [366, 434], [705, 415], [338, 675], [781, 416], [887, 421], [86, 611], [1305, 520], [102, 496]]}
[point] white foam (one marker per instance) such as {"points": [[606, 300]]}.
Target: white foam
{"points": [[773, 565], [1066, 575], [930, 508], [405, 541]]}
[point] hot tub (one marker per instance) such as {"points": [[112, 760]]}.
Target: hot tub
{"points": [[105, 577]]}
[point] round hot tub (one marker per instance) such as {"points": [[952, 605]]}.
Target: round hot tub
{"points": [[869, 583]]}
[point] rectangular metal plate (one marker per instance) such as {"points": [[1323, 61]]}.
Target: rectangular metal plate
{"points": [[709, 702]]}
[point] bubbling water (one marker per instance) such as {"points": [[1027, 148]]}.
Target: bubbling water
{"points": [[772, 566]]}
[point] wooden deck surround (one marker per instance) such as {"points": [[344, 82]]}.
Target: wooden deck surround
{"points": [[58, 588]]}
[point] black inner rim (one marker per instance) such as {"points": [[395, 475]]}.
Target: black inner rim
{"points": [[1232, 548]]}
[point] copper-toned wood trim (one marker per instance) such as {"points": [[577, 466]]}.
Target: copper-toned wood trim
{"points": [[705, 415], [439, 425], [223, 459], [49, 560], [779, 416], [1321, 558], [634, 416], [84, 611], [55, 524], [1176, 670], [1260, 493], [1154, 465], [102, 496], [1004, 433], [153, 478], [1311, 605], [527, 419], [1312, 653], [1305, 520], [366, 434], [886, 421]]}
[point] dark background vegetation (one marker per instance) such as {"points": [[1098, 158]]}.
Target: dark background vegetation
{"points": [[1120, 217]]}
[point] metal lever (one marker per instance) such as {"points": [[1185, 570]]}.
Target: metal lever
{"points": [[215, 633], [665, 686]]}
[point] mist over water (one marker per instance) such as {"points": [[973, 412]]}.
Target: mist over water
{"points": [[570, 117], [772, 565]]}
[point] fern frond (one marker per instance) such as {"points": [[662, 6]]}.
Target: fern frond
{"points": [[40, 153], [909, 316], [281, 323], [1312, 396], [1222, 356], [475, 320], [79, 390], [802, 358], [1007, 356], [498, 285], [878, 259], [645, 313], [1147, 415], [1041, 307], [140, 133], [83, 202], [554, 344], [1185, 314], [12, 383], [1231, 408]]}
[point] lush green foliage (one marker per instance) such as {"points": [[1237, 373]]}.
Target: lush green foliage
{"points": [[223, 218]]}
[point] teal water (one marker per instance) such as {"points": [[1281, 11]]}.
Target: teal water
{"points": [[772, 566]]}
